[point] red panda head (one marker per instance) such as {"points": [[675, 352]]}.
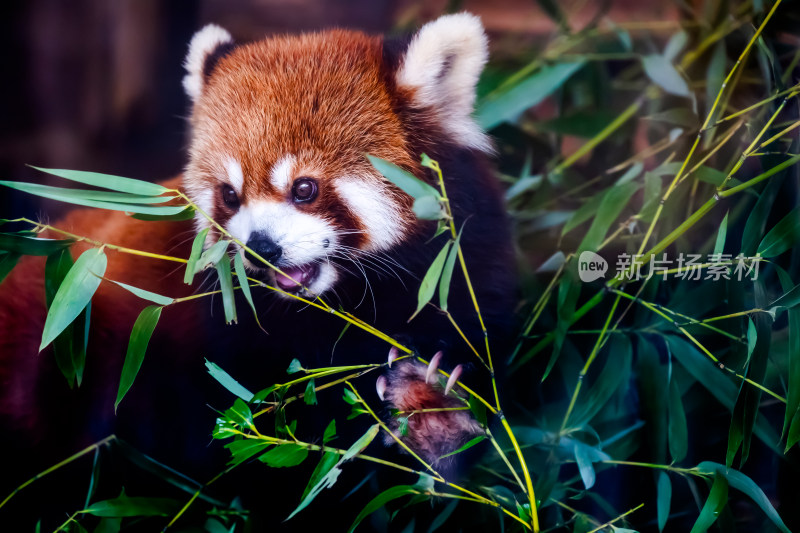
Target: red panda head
{"points": [[280, 129]]}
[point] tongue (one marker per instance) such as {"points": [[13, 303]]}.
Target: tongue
{"points": [[299, 274]]}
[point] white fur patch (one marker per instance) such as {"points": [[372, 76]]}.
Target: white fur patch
{"points": [[203, 43], [301, 236], [281, 176], [443, 64], [374, 206], [235, 175]]}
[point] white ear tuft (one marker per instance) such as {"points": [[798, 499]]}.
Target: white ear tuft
{"points": [[443, 64], [203, 44]]}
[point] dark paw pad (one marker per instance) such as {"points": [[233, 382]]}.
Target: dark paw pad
{"points": [[429, 417]]}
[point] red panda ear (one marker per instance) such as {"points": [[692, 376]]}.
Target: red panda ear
{"points": [[442, 65], [205, 49]]}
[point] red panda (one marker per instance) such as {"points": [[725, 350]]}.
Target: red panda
{"points": [[279, 133]]}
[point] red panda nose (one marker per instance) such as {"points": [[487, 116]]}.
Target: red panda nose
{"points": [[264, 246]]}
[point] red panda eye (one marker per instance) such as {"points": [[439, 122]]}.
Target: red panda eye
{"points": [[230, 197], [304, 190]]}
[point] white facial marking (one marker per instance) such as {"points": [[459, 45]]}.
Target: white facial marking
{"points": [[281, 176], [235, 176], [302, 236], [373, 204]]}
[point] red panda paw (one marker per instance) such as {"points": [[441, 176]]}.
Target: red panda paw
{"points": [[426, 414]]}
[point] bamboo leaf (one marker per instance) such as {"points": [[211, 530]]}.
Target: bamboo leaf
{"points": [[194, 256], [244, 284], [717, 499], [719, 245], [123, 506], [23, 245], [8, 261], [792, 414], [447, 271], [783, 236], [663, 73], [584, 466], [211, 256], [663, 499], [228, 382], [74, 293], [410, 184], [746, 485], [381, 500], [428, 208], [242, 450], [505, 105], [143, 294], [137, 346], [330, 432], [86, 198], [678, 432], [431, 279], [612, 204], [310, 395], [285, 455], [226, 286], [468, 445], [107, 181]]}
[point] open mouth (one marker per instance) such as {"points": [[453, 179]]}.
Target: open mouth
{"points": [[303, 274]]}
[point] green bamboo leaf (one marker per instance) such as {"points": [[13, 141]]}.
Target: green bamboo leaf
{"points": [[187, 214], [8, 260], [226, 286], [23, 245], [614, 374], [85, 198], [663, 499], [137, 346], [171, 476], [228, 382], [240, 414], [715, 76], [568, 293], [447, 271], [678, 432], [478, 410], [759, 214], [244, 284], [783, 236], [614, 201], [56, 268], [716, 501], [310, 395], [74, 293], [212, 256], [285, 455], [194, 256], [584, 212], [793, 373], [94, 478], [719, 245], [381, 500], [431, 279], [143, 294], [468, 445], [652, 196], [330, 432], [506, 104], [585, 467], [295, 366], [410, 184], [124, 506], [242, 450], [743, 483], [107, 181], [428, 208], [663, 73]]}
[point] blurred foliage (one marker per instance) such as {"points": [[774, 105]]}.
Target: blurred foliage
{"points": [[667, 150]]}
